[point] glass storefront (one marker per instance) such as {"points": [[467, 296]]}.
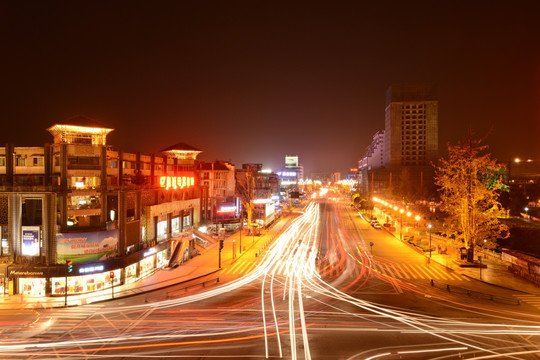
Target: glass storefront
{"points": [[162, 259], [175, 226], [187, 221], [85, 283], [162, 230], [32, 286], [131, 273], [147, 265]]}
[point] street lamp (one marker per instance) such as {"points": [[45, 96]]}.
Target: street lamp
{"points": [[401, 211], [429, 226], [417, 218], [527, 213]]}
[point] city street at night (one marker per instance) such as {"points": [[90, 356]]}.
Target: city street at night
{"points": [[326, 180], [316, 292]]}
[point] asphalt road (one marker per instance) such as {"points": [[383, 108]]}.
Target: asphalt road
{"points": [[320, 291]]}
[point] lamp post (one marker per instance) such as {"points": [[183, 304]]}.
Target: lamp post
{"points": [[527, 212], [429, 226], [401, 211]]}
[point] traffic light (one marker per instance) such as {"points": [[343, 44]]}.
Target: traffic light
{"points": [[69, 264], [220, 244]]}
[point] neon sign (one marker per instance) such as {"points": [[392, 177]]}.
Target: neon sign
{"points": [[176, 182], [91, 269]]}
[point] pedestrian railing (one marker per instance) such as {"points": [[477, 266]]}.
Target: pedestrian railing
{"points": [[474, 294]]}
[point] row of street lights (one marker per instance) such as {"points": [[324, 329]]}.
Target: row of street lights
{"points": [[401, 212]]}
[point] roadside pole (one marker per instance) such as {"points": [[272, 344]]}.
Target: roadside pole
{"points": [[219, 254], [112, 283]]}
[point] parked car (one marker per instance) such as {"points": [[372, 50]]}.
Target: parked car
{"points": [[375, 224]]}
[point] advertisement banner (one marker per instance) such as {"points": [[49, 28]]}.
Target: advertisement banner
{"points": [[30, 240], [86, 247]]}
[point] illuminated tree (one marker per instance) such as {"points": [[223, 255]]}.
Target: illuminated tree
{"points": [[246, 190], [470, 182]]}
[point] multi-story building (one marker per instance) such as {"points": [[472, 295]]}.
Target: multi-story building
{"points": [[292, 165], [374, 155], [398, 161], [104, 211], [262, 189], [411, 125], [219, 178], [335, 177]]}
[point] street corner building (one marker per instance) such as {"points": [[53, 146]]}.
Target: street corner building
{"points": [[77, 215]]}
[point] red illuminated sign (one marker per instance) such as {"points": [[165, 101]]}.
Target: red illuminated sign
{"points": [[176, 182]]}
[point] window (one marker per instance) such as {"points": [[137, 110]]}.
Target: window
{"points": [[2, 161], [38, 161], [21, 161]]}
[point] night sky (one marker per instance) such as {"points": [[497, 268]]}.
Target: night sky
{"points": [[257, 80]]}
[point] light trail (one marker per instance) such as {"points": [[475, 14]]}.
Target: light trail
{"points": [[294, 253]]}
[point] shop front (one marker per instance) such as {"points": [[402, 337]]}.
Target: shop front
{"points": [[36, 287], [148, 264], [131, 273], [162, 231], [85, 283], [175, 226], [162, 258], [32, 282]]}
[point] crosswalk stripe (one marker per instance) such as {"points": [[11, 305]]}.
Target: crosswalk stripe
{"points": [[413, 271], [456, 276], [440, 273], [403, 270], [421, 270], [380, 269], [389, 270]]}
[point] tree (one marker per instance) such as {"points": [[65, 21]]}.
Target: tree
{"points": [[247, 191], [470, 182]]}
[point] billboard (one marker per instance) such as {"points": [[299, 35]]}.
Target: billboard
{"points": [[86, 247], [30, 240]]}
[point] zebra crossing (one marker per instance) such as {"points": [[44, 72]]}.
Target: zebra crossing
{"points": [[417, 271], [533, 300], [394, 270], [239, 268], [242, 268]]}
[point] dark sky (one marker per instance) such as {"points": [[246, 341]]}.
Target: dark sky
{"points": [[254, 81]]}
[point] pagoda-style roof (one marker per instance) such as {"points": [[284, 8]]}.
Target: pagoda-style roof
{"points": [[181, 147], [80, 129], [182, 151], [83, 121]]}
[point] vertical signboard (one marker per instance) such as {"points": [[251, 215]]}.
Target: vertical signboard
{"points": [[30, 240]]}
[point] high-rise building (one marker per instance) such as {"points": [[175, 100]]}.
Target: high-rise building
{"points": [[411, 125], [398, 161]]}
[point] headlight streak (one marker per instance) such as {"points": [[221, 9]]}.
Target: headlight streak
{"points": [[293, 252]]}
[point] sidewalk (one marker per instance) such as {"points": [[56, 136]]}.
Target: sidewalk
{"points": [[496, 273], [203, 267]]}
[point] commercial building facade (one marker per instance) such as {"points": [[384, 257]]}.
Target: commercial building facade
{"points": [[115, 216]]}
